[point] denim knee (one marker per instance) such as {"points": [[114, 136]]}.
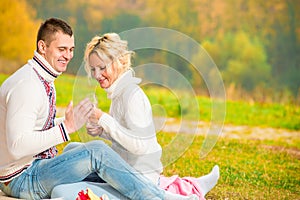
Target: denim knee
{"points": [[97, 145], [72, 145]]}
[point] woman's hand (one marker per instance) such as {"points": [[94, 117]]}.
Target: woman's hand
{"points": [[94, 129], [92, 126], [95, 115]]}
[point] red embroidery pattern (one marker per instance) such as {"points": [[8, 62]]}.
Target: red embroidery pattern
{"points": [[50, 90]]}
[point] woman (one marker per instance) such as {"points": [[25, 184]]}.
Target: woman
{"points": [[129, 124], [108, 61]]}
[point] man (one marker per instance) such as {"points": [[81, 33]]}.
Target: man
{"points": [[29, 131]]}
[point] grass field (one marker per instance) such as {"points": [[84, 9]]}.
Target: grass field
{"points": [[251, 168], [237, 112]]}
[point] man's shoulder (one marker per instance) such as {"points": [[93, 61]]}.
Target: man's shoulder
{"points": [[24, 77]]}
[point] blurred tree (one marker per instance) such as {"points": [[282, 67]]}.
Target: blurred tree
{"points": [[178, 15], [245, 61], [120, 22], [276, 23], [211, 17], [95, 11], [18, 30], [53, 8], [284, 47]]}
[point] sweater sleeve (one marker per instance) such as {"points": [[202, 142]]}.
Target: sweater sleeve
{"points": [[137, 134], [25, 108]]}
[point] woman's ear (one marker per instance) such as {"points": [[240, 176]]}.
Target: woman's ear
{"points": [[41, 46], [121, 66], [122, 60]]}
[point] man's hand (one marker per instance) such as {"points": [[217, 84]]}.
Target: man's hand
{"points": [[76, 117]]}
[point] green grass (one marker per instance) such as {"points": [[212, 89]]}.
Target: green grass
{"points": [[249, 169], [3, 77], [268, 115], [172, 105], [237, 112]]}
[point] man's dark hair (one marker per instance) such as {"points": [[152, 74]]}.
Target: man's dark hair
{"points": [[48, 29]]}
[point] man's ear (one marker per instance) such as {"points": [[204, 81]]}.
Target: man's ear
{"points": [[41, 46]]}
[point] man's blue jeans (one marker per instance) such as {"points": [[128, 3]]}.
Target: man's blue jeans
{"points": [[76, 164]]}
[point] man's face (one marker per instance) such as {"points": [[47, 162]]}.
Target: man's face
{"points": [[60, 51]]}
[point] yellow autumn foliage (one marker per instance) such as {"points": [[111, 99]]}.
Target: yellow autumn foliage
{"points": [[18, 31]]}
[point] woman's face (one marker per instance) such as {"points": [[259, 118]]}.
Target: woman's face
{"points": [[99, 70]]}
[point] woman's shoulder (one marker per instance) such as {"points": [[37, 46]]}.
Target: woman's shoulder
{"points": [[133, 91]]}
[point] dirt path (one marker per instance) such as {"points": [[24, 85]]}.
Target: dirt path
{"points": [[235, 132], [229, 131]]}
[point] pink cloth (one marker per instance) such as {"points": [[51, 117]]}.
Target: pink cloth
{"points": [[184, 186]]}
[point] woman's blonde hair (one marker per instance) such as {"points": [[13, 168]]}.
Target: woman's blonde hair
{"points": [[109, 46]]}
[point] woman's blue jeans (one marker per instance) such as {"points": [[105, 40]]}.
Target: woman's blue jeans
{"points": [[75, 165]]}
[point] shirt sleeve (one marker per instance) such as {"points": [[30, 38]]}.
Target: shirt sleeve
{"points": [[59, 120], [24, 104]]}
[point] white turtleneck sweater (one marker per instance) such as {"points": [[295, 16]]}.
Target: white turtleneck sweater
{"points": [[24, 112], [130, 126]]}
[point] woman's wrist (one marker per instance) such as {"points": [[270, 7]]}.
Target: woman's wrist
{"points": [[99, 114]]}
